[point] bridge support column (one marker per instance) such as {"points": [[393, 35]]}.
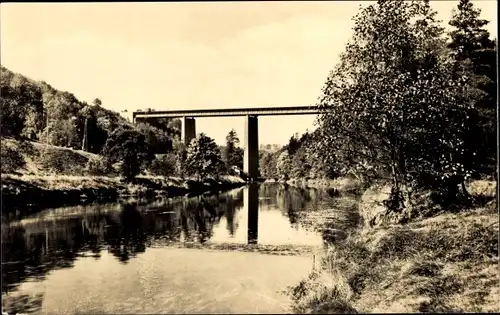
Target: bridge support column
{"points": [[188, 129], [251, 156]]}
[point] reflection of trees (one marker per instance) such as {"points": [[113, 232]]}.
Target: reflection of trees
{"points": [[127, 238], [33, 248], [291, 200]]}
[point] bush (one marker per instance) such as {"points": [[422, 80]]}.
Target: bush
{"points": [[11, 160], [64, 162], [27, 148], [98, 167], [164, 165]]}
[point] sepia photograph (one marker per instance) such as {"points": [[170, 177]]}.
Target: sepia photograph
{"points": [[249, 157]]}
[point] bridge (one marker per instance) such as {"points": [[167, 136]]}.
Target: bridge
{"points": [[251, 143]]}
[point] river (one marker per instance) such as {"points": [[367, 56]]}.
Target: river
{"points": [[223, 253]]}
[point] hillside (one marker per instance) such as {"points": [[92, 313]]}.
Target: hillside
{"points": [[73, 162], [37, 111]]}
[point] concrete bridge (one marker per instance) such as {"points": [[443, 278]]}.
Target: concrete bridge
{"points": [[251, 143]]}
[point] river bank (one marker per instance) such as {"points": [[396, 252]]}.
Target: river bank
{"points": [[344, 185], [445, 262], [39, 191]]}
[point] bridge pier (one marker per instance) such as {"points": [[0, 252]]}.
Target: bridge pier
{"points": [[251, 156], [188, 129]]}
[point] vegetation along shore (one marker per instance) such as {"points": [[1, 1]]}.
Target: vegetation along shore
{"points": [[408, 125]]}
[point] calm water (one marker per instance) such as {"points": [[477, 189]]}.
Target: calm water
{"points": [[134, 258]]}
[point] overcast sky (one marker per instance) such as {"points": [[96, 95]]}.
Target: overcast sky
{"points": [[189, 55]]}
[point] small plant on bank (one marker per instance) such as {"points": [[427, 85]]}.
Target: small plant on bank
{"points": [[11, 160], [64, 162], [98, 167], [164, 165]]}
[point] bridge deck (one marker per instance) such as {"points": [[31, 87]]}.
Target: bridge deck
{"points": [[263, 111]]}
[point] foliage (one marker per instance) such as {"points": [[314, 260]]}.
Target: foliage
{"points": [[157, 139], [98, 167], [164, 165], [128, 146], [64, 162], [203, 157], [475, 56], [171, 126], [21, 105], [393, 106], [232, 154], [11, 159], [267, 165], [283, 165], [38, 111]]}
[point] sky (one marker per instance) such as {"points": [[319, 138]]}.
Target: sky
{"points": [[188, 55]]}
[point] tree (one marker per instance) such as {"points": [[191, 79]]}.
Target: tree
{"points": [[158, 140], [283, 165], [233, 155], [475, 55], [203, 158], [129, 147], [21, 105], [97, 102], [267, 165], [393, 106], [468, 36], [293, 144]]}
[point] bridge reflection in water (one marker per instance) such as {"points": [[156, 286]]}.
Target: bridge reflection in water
{"points": [[251, 206]]}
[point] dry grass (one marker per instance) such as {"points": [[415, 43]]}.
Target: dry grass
{"points": [[37, 154], [448, 263]]}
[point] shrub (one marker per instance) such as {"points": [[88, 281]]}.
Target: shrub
{"points": [[11, 160], [63, 161], [164, 165], [27, 148], [98, 167]]}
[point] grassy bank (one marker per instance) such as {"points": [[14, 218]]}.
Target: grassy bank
{"points": [[51, 176], [444, 263], [57, 190]]}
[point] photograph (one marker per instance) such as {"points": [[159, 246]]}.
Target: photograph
{"points": [[249, 157]]}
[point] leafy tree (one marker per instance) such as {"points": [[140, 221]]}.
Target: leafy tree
{"points": [[293, 144], [393, 106], [97, 102], [233, 155], [171, 126], [61, 133], [283, 164], [203, 157], [267, 165], [475, 55], [158, 140], [300, 164], [164, 165], [21, 105], [129, 147]]}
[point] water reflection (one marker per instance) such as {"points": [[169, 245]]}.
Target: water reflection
{"points": [[251, 202], [56, 238]]}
